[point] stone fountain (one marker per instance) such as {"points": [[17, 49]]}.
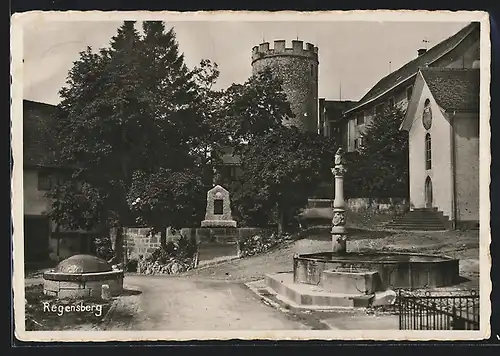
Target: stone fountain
{"points": [[83, 276], [341, 278]]}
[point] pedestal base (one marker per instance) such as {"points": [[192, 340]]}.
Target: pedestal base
{"points": [[351, 282], [313, 297], [218, 223]]}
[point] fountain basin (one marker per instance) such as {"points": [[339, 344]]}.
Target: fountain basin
{"points": [[396, 270], [82, 276]]}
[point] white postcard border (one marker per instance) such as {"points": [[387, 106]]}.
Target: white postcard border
{"points": [[19, 19]]}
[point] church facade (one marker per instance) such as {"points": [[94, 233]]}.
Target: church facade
{"points": [[443, 124]]}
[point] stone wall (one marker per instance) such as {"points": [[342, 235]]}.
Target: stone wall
{"points": [[394, 206], [322, 208], [138, 241]]}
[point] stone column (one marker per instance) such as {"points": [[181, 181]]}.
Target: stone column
{"points": [[339, 233]]}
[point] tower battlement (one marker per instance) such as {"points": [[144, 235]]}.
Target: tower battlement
{"points": [[263, 50]]}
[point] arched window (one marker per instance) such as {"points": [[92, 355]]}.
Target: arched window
{"points": [[428, 164]]}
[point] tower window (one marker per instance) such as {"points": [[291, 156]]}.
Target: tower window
{"points": [[428, 163]]}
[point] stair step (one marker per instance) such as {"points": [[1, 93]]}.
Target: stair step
{"points": [[423, 227], [419, 218], [419, 221], [418, 226], [425, 215], [423, 219], [406, 222], [410, 225], [415, 228]]}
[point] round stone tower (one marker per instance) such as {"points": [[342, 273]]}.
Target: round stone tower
{"points": [[297, 67]]}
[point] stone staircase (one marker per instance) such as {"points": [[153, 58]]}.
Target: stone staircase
{"points": [[423, 219]]}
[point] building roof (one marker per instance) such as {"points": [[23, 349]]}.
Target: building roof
{"points": [[335, 108], [453, 89], [411, 68], [36, 135]]}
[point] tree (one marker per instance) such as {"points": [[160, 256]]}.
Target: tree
{"points": [[281, 169], [380, 169], [205, 75], [127, 109], [253, 109], [168, 198]]}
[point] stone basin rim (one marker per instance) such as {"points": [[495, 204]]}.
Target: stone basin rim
{"points": [[83, 276], [340, 257]]}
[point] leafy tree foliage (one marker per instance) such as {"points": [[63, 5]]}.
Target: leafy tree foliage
{"points": [[280, 171], [380, 168], [127, 110], [168, 198], [252, 109]]}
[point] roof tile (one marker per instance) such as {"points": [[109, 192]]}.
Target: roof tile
{"points": [[453, 89]]}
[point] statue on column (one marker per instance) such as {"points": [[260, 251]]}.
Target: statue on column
{"points": [[339, 232]]}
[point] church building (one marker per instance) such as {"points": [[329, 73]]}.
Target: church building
{"points": [[443, 124], [458, 51]]}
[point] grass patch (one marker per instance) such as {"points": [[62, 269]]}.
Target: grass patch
{"points": [[44, 313]]}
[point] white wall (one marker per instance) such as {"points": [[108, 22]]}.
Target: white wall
{"points": [[466, 127], [440, 172]]}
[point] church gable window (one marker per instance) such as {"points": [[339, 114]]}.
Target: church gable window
{"points": [[428, 163]]}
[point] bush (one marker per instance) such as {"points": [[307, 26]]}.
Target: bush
{"points": [[177, 257], [132, 265], [103, 248], [260, 243]]}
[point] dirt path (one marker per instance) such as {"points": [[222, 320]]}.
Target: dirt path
{"points": [[178, 303]]}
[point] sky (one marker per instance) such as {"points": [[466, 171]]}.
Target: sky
{"points": [[353, 56]]}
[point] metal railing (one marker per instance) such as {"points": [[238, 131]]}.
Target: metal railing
{"points": [[438, 312]]}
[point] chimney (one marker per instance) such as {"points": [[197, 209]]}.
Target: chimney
{"points": [[421, 51]]}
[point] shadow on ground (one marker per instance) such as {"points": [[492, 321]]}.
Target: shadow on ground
{"points": [[129, 292]]}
